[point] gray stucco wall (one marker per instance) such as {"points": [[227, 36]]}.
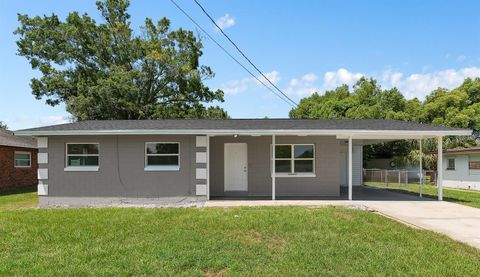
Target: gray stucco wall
{"points": [[327, 167], [121, 173]]}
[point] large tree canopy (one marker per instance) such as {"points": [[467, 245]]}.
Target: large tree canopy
{"points": [[105, 71], [459, 107]]}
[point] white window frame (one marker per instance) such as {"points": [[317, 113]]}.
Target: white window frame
{"points": [[161, 167], [29, 159], [292, 160], [81, 167]]}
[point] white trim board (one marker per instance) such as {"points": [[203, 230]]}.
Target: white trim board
{"points": [[340, 133]]}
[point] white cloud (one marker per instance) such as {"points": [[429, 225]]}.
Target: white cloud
{"points": [[237, 86], [273, 76], [225, 22], [333, 79], [414, 85], [421, 84], [411, 85], [461, 58], [303, 86], [22, 122], [53, 120], [310, 77]]}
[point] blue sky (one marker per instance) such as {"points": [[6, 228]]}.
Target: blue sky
{"points": [[303, 46]]}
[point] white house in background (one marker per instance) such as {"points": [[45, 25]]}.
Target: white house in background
{"points": [[461, 168]]}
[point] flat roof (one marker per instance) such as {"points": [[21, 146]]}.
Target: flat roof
{"points": [[243, 126]]}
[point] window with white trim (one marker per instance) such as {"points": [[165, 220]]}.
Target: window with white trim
{"points": [[294, 159], [162, 155], [23, 159], [82, 155]]}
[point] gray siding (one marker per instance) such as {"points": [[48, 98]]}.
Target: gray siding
{"points": [[121, 171], [327, 167]]}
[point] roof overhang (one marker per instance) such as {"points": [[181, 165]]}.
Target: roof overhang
{"points": [[339, 133]]}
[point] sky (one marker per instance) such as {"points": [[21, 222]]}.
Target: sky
{"points": [[302, 46]]}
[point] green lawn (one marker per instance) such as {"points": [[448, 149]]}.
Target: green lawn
{"points": [[464, 197], [19, 198], [285, 241]]}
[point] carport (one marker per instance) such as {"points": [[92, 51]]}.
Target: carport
{"points": [[384, 136]]}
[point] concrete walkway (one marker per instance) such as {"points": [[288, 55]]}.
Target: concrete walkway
{"points": [[456, 221]]}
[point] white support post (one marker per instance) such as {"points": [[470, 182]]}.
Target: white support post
{"points": [[273, 167], [440, 168], [420, 165], [208, 167], [350, 168]]}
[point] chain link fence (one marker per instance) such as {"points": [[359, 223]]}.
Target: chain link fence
{"points": [[398, 177]]}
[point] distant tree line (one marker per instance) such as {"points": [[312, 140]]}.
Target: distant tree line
{"points": [[459, 107]]}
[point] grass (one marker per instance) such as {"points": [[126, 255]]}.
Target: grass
{"points": [[264, 241], [459, 196], [19, 198]]}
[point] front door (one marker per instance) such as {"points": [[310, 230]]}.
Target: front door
{"points": [[236, 167]]}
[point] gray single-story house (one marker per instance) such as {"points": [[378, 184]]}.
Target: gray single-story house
{"points": [[190, 161], [462, 168]]}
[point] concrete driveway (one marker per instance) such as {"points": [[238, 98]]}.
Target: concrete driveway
{"points": [[456, 221]]}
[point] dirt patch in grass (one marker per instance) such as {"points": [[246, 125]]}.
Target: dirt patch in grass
{"points": [[270, 241], [216, 273], [344, 215]]}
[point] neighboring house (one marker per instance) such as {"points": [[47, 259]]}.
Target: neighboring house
{"points": [[18, 161], [462, 168], [190, 161]]}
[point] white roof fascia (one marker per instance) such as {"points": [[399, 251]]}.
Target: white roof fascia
{"points": [[340, 133]]}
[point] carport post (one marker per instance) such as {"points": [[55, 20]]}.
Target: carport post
{"points": [[273, 167], [440, 167], [350, 181], [420, 165]]}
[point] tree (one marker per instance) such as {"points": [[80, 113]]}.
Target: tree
{"points": [[459, 108], [3, 125], [105, 71], [366, 101]]}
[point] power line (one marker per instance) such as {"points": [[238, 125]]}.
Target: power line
{"points": [[232, 57], [241, 52]]}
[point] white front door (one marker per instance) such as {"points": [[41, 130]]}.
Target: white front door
{"points": [[236, 167]]}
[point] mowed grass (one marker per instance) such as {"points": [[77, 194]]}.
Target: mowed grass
{"points": [[19, 198], [465, 197], [262, 241]]}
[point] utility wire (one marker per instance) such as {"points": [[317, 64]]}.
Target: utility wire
{"points": [[233, 58], [242, 53]]}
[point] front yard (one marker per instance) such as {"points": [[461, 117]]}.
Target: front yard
{"points": [[285, 241], [19, 198], [465, 197]]}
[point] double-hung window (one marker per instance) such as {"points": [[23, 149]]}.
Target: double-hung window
{"points": [[82, 156], [23, 159], [162, 156], [294, 159]]}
